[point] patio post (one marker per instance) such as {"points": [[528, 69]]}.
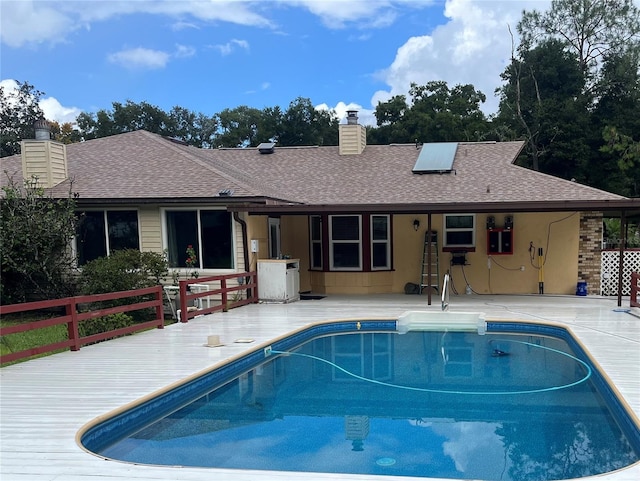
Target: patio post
{"points": [[623, 243], [429, 260]]}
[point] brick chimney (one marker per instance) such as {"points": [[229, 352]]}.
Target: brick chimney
{"points": [[352, 136], [44, 158]]}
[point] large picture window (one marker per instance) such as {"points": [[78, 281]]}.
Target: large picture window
{"points": [[102, 232], [209, 232], [459, 230]]}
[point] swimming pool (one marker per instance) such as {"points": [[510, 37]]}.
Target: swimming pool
{"points": [[448, 403]]}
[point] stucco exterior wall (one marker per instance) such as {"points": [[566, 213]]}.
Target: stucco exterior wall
{"points": [[557, 234]]}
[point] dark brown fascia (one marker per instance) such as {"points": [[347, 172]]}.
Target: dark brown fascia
{"points": [[630, 207]]}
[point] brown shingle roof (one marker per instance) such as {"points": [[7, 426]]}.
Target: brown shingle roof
{"points": [[140, 165], [382, 174]]}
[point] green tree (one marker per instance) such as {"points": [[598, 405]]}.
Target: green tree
{"points": [[542, 103], [65, 133], [303, 124], [126, 117], [434, 113], [627, 152], [36, 231], [192, 128], [238, 127], [19, 110], [591, 29]]}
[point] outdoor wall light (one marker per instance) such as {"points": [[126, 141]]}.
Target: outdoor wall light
{"points": [[416, 224]]}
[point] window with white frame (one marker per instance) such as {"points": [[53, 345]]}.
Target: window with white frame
{"points": [[209, 232], [101, 232], [345, 247], [315, 236], [380, 242], [459, 230]]}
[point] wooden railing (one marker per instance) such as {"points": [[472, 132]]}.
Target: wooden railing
{"points": [[635, 289], [73, 318], [249, 284]]}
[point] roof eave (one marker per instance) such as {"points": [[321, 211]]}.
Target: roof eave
{"points": [[630, 207]]}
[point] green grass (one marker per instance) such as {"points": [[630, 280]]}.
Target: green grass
{"points": [[36, 338], [30, 339]]}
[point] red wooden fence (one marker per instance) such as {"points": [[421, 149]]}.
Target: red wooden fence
{"points": [[249, 284], [73, 317], [635, 289]]}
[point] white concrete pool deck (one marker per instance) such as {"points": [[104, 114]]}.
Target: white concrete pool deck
{"points": [[44, 402]]}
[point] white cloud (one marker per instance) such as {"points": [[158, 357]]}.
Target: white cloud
{"points": [[473, 47], [51, 107], [365, 116], [29, 22], [363, 13], [177, 26], [263, 86], [229, 47], [34, 22], [53, 110], [140, 58], [184, 51]]}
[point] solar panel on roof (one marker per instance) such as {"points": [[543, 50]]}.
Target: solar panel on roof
{"points": [[436, 158]]}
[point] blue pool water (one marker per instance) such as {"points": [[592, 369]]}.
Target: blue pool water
{"points": [[521, 402]]}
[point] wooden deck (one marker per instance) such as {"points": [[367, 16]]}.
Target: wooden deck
{"points": [[44, 402]]}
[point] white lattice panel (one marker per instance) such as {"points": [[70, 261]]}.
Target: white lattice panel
{"points": [[609, 277]]}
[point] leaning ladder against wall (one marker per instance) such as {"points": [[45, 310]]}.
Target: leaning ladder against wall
{"points": [[430, 266]]}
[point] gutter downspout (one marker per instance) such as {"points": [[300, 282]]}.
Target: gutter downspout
{"points": [[245, 248]]}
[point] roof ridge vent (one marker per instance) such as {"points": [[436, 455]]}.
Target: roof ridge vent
{"points": [[267, 147]]}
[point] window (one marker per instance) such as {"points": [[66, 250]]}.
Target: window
{"points": [[459, 230], [209, 232], [380, 242], [350, 242], [315, 235], [345, 250], [103, 232]]}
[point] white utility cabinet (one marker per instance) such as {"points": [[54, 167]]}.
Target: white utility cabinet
{"points": [[279, 280]]}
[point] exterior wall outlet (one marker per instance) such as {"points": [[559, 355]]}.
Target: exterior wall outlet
{"points": [[522, 268], [254, 245]]}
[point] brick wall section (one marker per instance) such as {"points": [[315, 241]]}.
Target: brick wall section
{"points": [[589, 251]]}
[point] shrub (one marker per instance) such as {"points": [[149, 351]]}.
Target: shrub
{"points": [[124, 270], [35, 234], [103, 324]]}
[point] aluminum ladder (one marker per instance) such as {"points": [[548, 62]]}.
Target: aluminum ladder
{"points": [[430, 266]]}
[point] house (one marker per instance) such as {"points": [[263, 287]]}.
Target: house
{"points": [[355, 215]]}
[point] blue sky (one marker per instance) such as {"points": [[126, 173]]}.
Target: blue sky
{"points": [[208, 55]]}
